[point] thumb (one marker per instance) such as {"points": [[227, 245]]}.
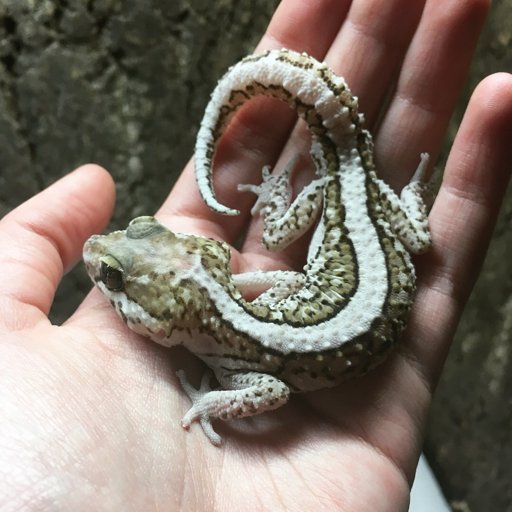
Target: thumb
{"points": [[43, 238]]}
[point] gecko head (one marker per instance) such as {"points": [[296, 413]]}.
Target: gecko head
{"points": [[146, 271], [115, 259]]}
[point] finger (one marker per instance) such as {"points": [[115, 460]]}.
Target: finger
{"points": [[376, 45], [257, 134], [439, 53], [305, 26], [431, 78], [367, 53], [371, 46], [44, 237], [462, 220]]}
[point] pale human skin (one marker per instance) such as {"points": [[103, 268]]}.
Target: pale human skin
{"points": [[90, 413]]}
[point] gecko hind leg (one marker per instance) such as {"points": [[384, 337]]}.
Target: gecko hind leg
{"points": [[285, 221], [273, 192], [408, 212]]}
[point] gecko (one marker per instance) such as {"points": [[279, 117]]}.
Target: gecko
{"points": [[337, 318]]}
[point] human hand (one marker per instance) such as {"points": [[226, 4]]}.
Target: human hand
{"points": [[91, 413]]}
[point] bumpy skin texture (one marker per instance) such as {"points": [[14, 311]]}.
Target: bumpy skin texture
{"points": [[309, 330]]}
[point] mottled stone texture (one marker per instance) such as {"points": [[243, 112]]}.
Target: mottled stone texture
{"points": [[123, 84], [119, 83]]}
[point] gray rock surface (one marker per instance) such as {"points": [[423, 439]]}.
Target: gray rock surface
{"points": [[124, 84]]}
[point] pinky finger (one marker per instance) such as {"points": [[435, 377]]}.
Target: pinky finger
{"points": [[463, 217]]}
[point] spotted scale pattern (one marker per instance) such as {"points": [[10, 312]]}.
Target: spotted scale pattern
{"points": [[336, 319]]}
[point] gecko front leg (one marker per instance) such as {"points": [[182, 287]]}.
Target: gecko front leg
{"points": [[269, 286], [244, 394]]}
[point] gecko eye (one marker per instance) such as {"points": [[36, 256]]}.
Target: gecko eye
{"points": [[112, 273]]}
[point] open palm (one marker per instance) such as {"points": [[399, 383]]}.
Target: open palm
{"points": [[90, 413]]}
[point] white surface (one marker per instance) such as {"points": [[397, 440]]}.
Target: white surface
{"points": [[426, 495]]}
